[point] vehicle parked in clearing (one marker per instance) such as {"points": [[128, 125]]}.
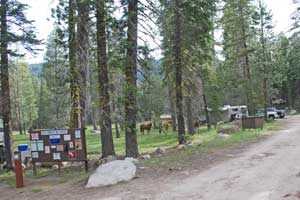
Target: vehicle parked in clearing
{"points": [[279, 113], [235, 112], [272, 113]]}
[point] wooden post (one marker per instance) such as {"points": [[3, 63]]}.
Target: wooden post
{"points": [[86, 164], [85, 149], [59, 168], [34, 168]]}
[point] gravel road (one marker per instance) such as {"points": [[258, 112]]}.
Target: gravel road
{"points": [[268, 170]]}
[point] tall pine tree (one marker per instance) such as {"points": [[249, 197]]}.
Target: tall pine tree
{"points": [[12, 17]]}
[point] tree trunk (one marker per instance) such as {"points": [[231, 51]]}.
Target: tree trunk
{"points": [[83, 55], [104, 98], [5, 93], [131, 81], [206, 112], [178, 74], [117, 130], [265, 80], [94, 119], [173, 109], [115, 116], [75, 119], [246, 65], [189, 113]]}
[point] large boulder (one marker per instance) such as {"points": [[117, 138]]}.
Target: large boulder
{"points": [[228, 129], [112, 173], [237, 123]]}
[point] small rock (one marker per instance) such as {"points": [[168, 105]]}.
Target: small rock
{"points": [[54, 167], [143, 167], [224, 136], [160, 150], [198, 142], [190, 144], [220, 123], [97, 131], [23, 166], [64, 164], [146, 156], [181, 146], [133, 160]]}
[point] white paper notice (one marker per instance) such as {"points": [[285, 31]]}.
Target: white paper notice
{"points": [[56, 156], [47, 149], [33, 146], [67, 137], [34, 136], [77, 134], [40, 145], [35, 154]]}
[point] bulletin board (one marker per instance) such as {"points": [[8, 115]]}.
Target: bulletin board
{"points": [[66, 145]]}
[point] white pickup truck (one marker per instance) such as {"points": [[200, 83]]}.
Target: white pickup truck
{"points": [[273, 113]]}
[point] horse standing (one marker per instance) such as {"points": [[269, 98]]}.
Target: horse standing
{"points": [[145, 126]]}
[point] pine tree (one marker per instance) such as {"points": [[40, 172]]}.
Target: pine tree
{"points": [[131, 80], [104, 97], [54, 104], [23, 97], [237, 23], [12, 15], [187, 43], [75, 119], [264, 21], [83, 7]]}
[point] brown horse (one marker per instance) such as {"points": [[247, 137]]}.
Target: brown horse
{"points": [[166, 124], [145, 126]]}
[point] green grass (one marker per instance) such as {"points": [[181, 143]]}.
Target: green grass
{"points": [[147, 143], [210, 142], [150, 142]]}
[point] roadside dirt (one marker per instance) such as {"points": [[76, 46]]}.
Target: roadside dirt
{"points": [[241, 171]]}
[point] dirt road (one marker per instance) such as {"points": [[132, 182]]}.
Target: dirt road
{"points": [[266, 170], [269, 170]]}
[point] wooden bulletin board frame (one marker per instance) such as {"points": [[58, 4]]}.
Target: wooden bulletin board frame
{"points": [[65, 145]]}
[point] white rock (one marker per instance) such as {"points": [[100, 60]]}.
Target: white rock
{"points": [[221, 135], [293, 112], [133, 160], [146, 156], [96, 131], [181, 146], [112, 173]]}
